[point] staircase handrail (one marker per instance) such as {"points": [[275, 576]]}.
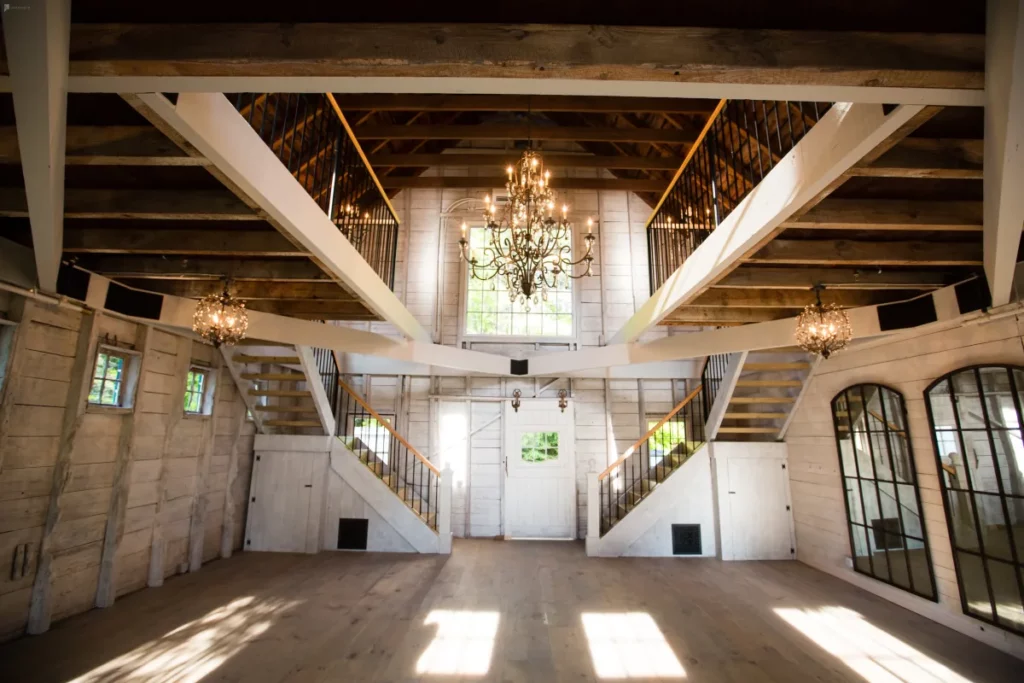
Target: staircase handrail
{"points": [[650, 432], [387, 425]]}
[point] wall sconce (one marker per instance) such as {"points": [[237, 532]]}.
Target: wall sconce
{"points": [[516, 395], [562, 403]]}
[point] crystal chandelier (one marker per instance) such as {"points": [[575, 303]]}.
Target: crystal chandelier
{"points": [[221, 319], [823, 328], [527, 243]]}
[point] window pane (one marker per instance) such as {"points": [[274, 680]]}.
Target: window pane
{"points": [[539, 446], [993, 526], [101, 365], [972, 579], [1006, 593], [94, 391]]}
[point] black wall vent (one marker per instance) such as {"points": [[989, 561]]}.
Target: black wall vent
{"points": [[686, 539], [132, 302], [72, 282], [352, 533], [518, 367], [903, 314], [973, 295]]}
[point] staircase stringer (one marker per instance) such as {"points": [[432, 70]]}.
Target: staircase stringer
{"points": [[324, 409], [243, 389], [799, 397]]}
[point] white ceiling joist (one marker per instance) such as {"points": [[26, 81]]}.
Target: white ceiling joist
{"points": [[37, 36], [1004, 144], [212, 125], [838, 141]]}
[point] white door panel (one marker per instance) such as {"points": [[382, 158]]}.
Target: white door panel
{"points": [[757, 499], [279, 515]]}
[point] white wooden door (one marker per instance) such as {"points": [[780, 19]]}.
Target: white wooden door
{"points": [[540, 483], [279, 516], [759, 514]]}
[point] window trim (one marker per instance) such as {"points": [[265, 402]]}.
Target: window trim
{"points": [[465, 337], [946, 493], [914, 482], [208, 392], [129, 378]]}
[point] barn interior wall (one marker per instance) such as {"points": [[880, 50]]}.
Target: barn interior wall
{"points": [[148, 490]]}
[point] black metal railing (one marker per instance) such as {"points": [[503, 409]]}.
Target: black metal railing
{"points": [[374, 440], [741, 143], [652, 458], [711, 377], [310, 136], [327, 368]]}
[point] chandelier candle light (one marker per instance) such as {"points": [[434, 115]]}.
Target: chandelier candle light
{"points": [[221, 319], [527, 242], [823, 328]]}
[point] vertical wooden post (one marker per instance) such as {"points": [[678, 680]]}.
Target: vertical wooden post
{"points": [[197, 526], [40, 607], [156, 551], [106, 588], [444, 512], [15, 366], [593, 512], [227, 533]]}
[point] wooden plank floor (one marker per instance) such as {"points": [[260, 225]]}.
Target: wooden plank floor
{"points": [[356, 617]]}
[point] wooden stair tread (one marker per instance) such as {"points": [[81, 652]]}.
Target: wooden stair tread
{"points": [[761, 367], [755, 416], [275, 376], [762, 399], [769, 383], [748, 430], [292, 423], [280, 360], [285, 409], [279, 392]]}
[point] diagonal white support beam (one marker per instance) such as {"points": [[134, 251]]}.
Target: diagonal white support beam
{"points": [[209, 123], [1004, 143], [37, 36], [838, 141]]}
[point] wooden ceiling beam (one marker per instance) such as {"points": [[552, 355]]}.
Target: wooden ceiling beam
{"points": [[700, 315], [541, 103], [927, 158], [789, 298], [469, 182], [551, 160], [315, 310], [849, 253], [521, 132], [189, 268], [891, 214], [265, 243], [583, 52], [108, 146], [833, 278], [176, 205], [248, 290]]}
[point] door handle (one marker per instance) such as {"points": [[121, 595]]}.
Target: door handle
{"points": [[506, 467]]}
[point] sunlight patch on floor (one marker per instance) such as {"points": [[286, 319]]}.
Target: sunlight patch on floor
{"points": [[192, 651], [871, 652], [629, 645], [462, 645]]}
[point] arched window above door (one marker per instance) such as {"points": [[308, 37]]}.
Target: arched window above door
{"points": [[975, 415], [883, 503]]}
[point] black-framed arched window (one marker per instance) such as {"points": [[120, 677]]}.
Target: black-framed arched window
{"points": [[883, 503], [975, 415]]}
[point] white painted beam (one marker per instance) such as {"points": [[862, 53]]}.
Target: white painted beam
{"points": [[37, 35], [212, 125], [1004, 143], [838, 141]]}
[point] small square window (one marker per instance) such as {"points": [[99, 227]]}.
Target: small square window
{"points": [[195, 391], [108, 379], [539, 446]]}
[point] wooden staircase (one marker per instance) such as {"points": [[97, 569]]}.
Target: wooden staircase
{"points": [[766, 392], [280, 388], [394, 480]]}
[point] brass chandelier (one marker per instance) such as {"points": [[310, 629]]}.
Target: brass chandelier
{"points": [[221, 319], [527, 242], [823, 328]]}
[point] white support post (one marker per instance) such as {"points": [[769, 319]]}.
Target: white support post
{"points": [[593, 512], [838, 141], [724, 395], [444, 512], [37, 35], [1004, 144], [324, 409]]}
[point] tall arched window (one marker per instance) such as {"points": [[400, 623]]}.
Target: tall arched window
{"points": [[883, 504], [975, 415]]}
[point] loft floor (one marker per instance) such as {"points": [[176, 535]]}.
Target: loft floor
{"points": [[516, 611]]}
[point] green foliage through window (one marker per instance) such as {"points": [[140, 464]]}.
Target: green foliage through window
{"points": [[195, 387], [107, 379], [490, 311], [539, 446], [666, 439]]}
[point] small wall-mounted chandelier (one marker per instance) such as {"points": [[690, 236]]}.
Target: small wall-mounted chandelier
{"points": [[221, 319], [527, 242], [823, 328], [516, 402], [562, 402]]}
